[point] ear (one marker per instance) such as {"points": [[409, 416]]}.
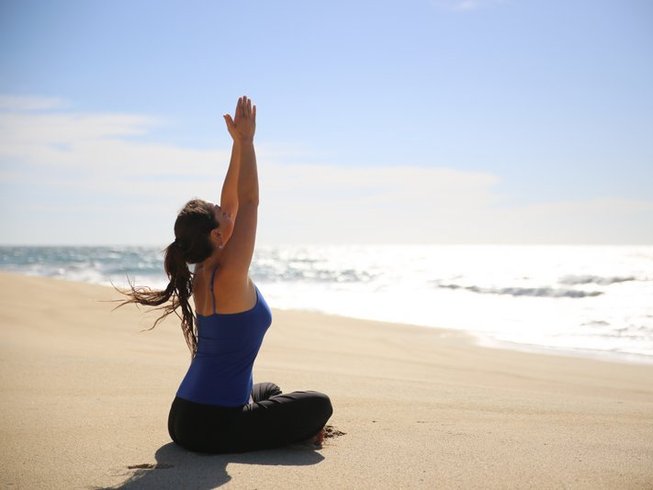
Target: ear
{"points": [[216, 236]]}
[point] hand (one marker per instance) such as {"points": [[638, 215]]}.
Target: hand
{"points": [[243, 126]]}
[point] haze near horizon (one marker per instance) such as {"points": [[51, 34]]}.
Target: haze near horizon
{"points": [[441, 121]]}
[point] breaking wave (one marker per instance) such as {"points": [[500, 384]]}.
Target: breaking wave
{"points": [[543, 292], [589, 279]]}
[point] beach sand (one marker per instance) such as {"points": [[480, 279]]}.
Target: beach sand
{"points": [[85, 400]]}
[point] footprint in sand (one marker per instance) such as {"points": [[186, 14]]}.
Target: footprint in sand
{"points": [[331, 431]]}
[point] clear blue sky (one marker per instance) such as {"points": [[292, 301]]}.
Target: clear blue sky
{"points": [[527, 111]]}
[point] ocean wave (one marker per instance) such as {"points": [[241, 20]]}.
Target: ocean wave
{"points": [[506, 294], [292, 273], [88, 264], [595, 323], [542, 292], [572, 280]]}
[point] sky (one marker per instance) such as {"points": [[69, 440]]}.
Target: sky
{"points": [[417, 121]]}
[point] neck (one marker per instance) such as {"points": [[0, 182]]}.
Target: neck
{"points": [[213, 260]]}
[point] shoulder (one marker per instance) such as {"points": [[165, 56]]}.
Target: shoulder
{"points": [[234, 292], [228, 278]]}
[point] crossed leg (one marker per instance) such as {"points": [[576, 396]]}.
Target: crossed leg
{"points": [[263, 391], [276, 419]]}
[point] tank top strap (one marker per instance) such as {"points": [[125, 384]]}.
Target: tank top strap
{"points": [[213, 295]]}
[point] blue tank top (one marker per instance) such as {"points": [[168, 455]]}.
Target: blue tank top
{"points": [[227, 345]]}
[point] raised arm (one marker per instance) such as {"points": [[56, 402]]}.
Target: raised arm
{"points": [[238, 252], [229, 194]]}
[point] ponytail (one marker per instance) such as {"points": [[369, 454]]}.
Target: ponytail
{"points": [[182, 286], [192, 245], [176, 295]]}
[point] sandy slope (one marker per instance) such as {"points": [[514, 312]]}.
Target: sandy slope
{"points": [[85, 396]]}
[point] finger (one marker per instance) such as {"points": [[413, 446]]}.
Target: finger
{"points": [[249, 107], [254, 112]]}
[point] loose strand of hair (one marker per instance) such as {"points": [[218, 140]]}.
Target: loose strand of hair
{"points": [[175, 296]]}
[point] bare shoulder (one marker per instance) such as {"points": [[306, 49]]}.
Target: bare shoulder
{"points": [[233, 292]]}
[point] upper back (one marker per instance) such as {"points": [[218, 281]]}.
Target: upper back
{"points": [[215, 290]]}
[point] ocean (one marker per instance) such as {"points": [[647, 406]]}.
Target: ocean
{"points": [[592, 301]]}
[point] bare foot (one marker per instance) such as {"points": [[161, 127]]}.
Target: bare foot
{"points": [[318, 438]]}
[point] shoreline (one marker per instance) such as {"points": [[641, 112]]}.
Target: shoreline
{"points": [[596, 355], [487, 343], [86, 394], [476, 339]]}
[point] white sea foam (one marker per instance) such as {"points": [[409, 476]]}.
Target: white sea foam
{"points": [[577, 299]]}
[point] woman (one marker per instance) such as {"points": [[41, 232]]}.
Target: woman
{"points": [[217, 407]]}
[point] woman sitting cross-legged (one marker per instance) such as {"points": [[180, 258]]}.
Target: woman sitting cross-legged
{"points": [[218, 408]]}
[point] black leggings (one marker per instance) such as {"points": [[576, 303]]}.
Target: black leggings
{"points": [[273, 420]]}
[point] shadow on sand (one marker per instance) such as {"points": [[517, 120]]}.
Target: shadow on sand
{"points": [[176, 467]]}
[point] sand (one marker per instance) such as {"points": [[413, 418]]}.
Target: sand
{"points": [[85, 400]]}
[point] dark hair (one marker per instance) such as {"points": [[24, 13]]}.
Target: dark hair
{"points": [[192, 245]]}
